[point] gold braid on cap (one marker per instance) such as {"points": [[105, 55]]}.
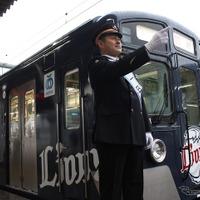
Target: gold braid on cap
{"points": [[107, 30]]}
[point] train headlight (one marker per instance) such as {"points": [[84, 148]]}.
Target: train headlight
{"points": [[158, 151]]}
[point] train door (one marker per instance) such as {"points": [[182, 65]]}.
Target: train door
{"points": [[72, 135], [22, 137]]}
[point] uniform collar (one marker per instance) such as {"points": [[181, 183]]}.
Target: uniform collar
{"points": [[111, 58]]}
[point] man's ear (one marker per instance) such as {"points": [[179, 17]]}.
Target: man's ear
{"points": [[100, 44]]}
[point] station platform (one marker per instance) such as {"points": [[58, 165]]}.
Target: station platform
{"points": [[5, 195]]}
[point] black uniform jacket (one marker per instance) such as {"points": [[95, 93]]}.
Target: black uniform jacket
{"points": [[119, 119]]}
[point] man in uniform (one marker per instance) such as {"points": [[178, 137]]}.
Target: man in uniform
{"points": [[122, 128]]}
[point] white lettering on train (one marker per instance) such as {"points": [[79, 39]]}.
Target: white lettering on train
{"points": [[71, 167], [45, 171]]}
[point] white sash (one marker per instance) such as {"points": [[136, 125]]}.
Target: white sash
{"points": [[136, 86]]}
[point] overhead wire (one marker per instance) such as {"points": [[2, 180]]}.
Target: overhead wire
{"points": [[54, 30]]}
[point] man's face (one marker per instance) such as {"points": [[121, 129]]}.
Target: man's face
{"points": [[110, 45]]}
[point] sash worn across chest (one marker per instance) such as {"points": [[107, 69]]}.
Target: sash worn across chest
{"points": [[135, 85]]}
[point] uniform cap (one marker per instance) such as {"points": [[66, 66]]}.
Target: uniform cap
{"points": [[107, 29]]}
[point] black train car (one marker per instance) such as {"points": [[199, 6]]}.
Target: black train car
{"points": [[47, 118]]}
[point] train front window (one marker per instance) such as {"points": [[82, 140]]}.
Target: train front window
{"points": [[153, 77], [189, 96], [72, 100], [183, 43], [139, 33]]}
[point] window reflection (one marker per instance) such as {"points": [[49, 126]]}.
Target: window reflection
{"points": [[189, 96], [14, 116], [29, 118], [138, 33], [155, 82], [72, 100]]}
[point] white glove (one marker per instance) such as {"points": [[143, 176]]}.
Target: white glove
{"points": [[149, 140], [159, 39]]}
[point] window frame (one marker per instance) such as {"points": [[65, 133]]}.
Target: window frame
{"points": [[66, 123]]}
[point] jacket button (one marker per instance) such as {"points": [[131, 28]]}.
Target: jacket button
{"points": [[132, 110]]}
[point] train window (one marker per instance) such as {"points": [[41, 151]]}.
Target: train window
{"points": [[14, 117], [29, 109], [190, 96], [138, 33], [72, 100], [183, 42], [154, 79]]}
